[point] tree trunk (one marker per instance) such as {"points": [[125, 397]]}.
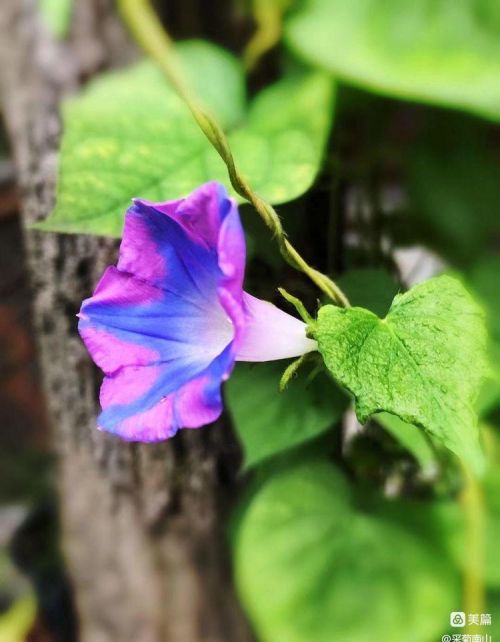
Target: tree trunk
{"points": [[143, 525]]}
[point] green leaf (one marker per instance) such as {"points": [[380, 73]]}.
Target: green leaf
{"points": [[452, 529], [280, 147], [454, 188], [269, 422], [423, 362], [483, 281], [129, 135], [19, 620], [19, 604], [369, 288], [441, 52], [491, 484], [311, 566], [439, 521], [206, 69], [411, 438], [493, 607], [57, 15]]}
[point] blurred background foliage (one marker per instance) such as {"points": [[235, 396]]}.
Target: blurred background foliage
{"points": [[373, 126]]}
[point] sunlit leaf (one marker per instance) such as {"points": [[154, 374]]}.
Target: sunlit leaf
{"points": [[129, 135], [443, 52]]}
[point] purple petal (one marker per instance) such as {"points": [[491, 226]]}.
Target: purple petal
{"points": [[271, 334], [139, 250], [133, 410], [179, 241], [130, 322], [165, 324]]}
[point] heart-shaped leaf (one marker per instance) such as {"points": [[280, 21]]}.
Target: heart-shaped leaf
{"points": [[423, 362], [130, 135], [311, 566]]}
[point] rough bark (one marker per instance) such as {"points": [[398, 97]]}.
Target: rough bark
{"points": [[143, 525]]}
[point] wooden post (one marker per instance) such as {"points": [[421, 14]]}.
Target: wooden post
{"points": [[143, 525]]}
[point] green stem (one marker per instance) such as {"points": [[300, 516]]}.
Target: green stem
{"points": [[292, 370], [144, 25], [298, 305], [268, 17], [472, 501]]}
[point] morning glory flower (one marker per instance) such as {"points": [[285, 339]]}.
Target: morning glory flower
{"points": [[167, 324]]}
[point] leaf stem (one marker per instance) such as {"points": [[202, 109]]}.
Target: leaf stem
{"points": [[472, 501], [145, 27], [298, 305]]}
